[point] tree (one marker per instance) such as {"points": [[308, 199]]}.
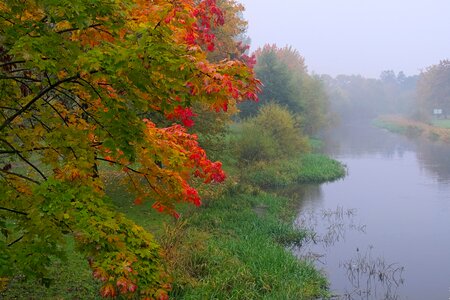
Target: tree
{"points": [[277, 83], [433, 90], [212, 126], [355, 97], [286, 81], [94, 82]]}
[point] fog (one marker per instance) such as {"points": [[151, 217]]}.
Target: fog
{"points": [[355, 36]]}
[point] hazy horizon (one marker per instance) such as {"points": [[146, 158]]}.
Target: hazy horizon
{"points": [[353, 36]]}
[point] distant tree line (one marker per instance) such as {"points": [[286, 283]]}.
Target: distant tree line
{"points": [[357, 97]]}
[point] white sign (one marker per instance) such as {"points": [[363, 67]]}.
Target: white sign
{"points": [[437, 111]]}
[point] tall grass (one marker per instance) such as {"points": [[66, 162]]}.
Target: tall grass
{"points": [[243, 255], [307, 168]]}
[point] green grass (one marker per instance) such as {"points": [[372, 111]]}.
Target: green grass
{"points": [[316, 144], [441, 123], [308, 168], [392, 127], [245, 256]]}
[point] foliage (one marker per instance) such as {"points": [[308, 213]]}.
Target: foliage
{"points": [[272, 134], [286, 82], [228, 38], [68, 279], [433, 90], [92, 82], [212, 126]]}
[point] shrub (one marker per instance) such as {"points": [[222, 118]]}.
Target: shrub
{"points": [[271, 135]]}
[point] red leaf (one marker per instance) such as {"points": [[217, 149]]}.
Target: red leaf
{"points": [[108, 290], [138, 201]]}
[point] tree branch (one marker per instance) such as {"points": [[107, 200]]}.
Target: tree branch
{"points": [[24, 159], [19, 77], [57, 112], [20, 176], [16, 241], [76, 28], [14, 211], [132, 170], [12, 63], [84, 110], [36, 98]]}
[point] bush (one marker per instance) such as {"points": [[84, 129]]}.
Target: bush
{"points": [[271, 135]]}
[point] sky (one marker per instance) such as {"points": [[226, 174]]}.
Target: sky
{"points": [[355, 37]]}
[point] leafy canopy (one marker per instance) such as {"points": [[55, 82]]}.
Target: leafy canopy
{"points": [[84, 82], [286, 82]]}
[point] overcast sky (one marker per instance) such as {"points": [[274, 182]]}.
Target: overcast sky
{"points": [[355, 36]]}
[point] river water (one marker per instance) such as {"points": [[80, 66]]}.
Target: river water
{"points": [[383, 232]]}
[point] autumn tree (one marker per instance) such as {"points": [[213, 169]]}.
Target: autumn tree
{"points": [[95, 82], [212, 126], [286, 81], [433, 90]]}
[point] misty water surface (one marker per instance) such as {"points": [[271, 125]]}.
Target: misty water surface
{"points": [[383, 232]]}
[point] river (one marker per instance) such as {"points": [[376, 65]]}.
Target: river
{"points": [[383, 232]]}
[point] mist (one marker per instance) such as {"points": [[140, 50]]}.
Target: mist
{"points": [[354, 37]]}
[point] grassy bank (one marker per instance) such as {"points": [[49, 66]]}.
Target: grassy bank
{"points": [[307, 168], [398, 124], [233, 247]]}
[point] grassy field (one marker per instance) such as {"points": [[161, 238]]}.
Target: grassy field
{"points": [[398, 124]]}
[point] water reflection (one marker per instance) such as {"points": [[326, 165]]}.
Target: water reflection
{"points": [[369, 277], [361, 139], [435, 159], [399, 189], [372, 278], [327, 227]]}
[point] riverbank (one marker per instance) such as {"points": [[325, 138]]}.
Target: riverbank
{"points": [[412, 128], [236, 246], [233, 247]]}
